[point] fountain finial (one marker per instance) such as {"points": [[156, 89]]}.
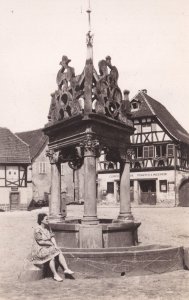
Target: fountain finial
{"points": [[89, 17], [89, 36]]}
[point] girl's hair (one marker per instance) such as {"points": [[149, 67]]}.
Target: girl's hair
{"points": [[41, 217]]}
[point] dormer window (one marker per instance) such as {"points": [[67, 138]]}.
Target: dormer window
{"points": [[134, 105]]}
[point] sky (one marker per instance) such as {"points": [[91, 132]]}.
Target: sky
{"points": [[147, 40]]}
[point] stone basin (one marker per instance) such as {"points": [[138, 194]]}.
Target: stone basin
{"points": [[110, 249], [124, 261]]}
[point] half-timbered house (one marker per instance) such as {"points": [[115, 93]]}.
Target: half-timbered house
{"points": [[14, 160], [159, 158]]}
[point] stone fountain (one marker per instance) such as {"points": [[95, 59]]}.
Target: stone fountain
{"points": [[88, 114]]}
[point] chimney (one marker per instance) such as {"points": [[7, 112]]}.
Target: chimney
{"points": [[144, 91], [126, 95]]}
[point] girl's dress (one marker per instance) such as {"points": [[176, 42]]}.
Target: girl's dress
{"points": [[41, 254]]}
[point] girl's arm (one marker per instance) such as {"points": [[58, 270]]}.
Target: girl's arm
{"points": [[39, 239], [54, 242], [44, 243]]}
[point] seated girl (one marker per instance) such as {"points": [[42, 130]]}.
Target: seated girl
{"points": [[45, 249]]}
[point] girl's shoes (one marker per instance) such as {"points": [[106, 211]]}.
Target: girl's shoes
{"points": [[69, 272], [58, 278]]}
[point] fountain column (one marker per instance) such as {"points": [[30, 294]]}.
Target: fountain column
{"points": [[125, 202], [90, 202], [55, 198]]}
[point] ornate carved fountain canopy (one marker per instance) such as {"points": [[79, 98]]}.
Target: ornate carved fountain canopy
{"points": [[87, 109], [106, 97]]}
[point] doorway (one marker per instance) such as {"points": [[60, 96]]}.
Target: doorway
{"points": [[14, 200], [148, 192], [184, 193]]}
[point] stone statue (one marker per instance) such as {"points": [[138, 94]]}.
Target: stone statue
{"points": [[107, 91], [113, 77], [65, 74], [103, 68], [53, 111]]}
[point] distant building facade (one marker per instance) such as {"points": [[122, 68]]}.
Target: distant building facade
{"points": [[159, 158], [40, 169], [15, 193], [39, 172]]}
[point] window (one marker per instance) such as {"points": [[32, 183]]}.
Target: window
{"points": [[134, 106], [163, 150], [158, 150], [134, 153], [110, 166], [137, 165], [170, 149], [163, 147], [148, 151], [163, 186], [139, 151], [161, 163], [13, 176], [42, 167], [110, 187]]}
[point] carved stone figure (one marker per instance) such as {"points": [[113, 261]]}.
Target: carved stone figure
{"points": [[65, 74], [107, 91], [114, 75], [103, 68], [53, 111]]}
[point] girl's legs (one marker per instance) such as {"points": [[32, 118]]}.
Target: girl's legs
{"points": [[53, 269], [63, 263]]}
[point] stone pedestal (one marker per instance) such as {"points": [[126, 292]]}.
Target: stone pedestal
{"points": [[90, 236]]}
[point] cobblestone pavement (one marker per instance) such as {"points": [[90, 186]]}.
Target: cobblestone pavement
{"points": [[159, 225], [167, 286]]}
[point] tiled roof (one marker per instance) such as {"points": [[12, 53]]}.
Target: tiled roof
{"points": [[12, 149], [150, 107], [36, 139]]}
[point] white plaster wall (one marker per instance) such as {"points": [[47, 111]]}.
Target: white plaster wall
{"points": [[4, 195], [67, 184], [166, 198], [25, 194], [102, 186], [41, 182]]}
